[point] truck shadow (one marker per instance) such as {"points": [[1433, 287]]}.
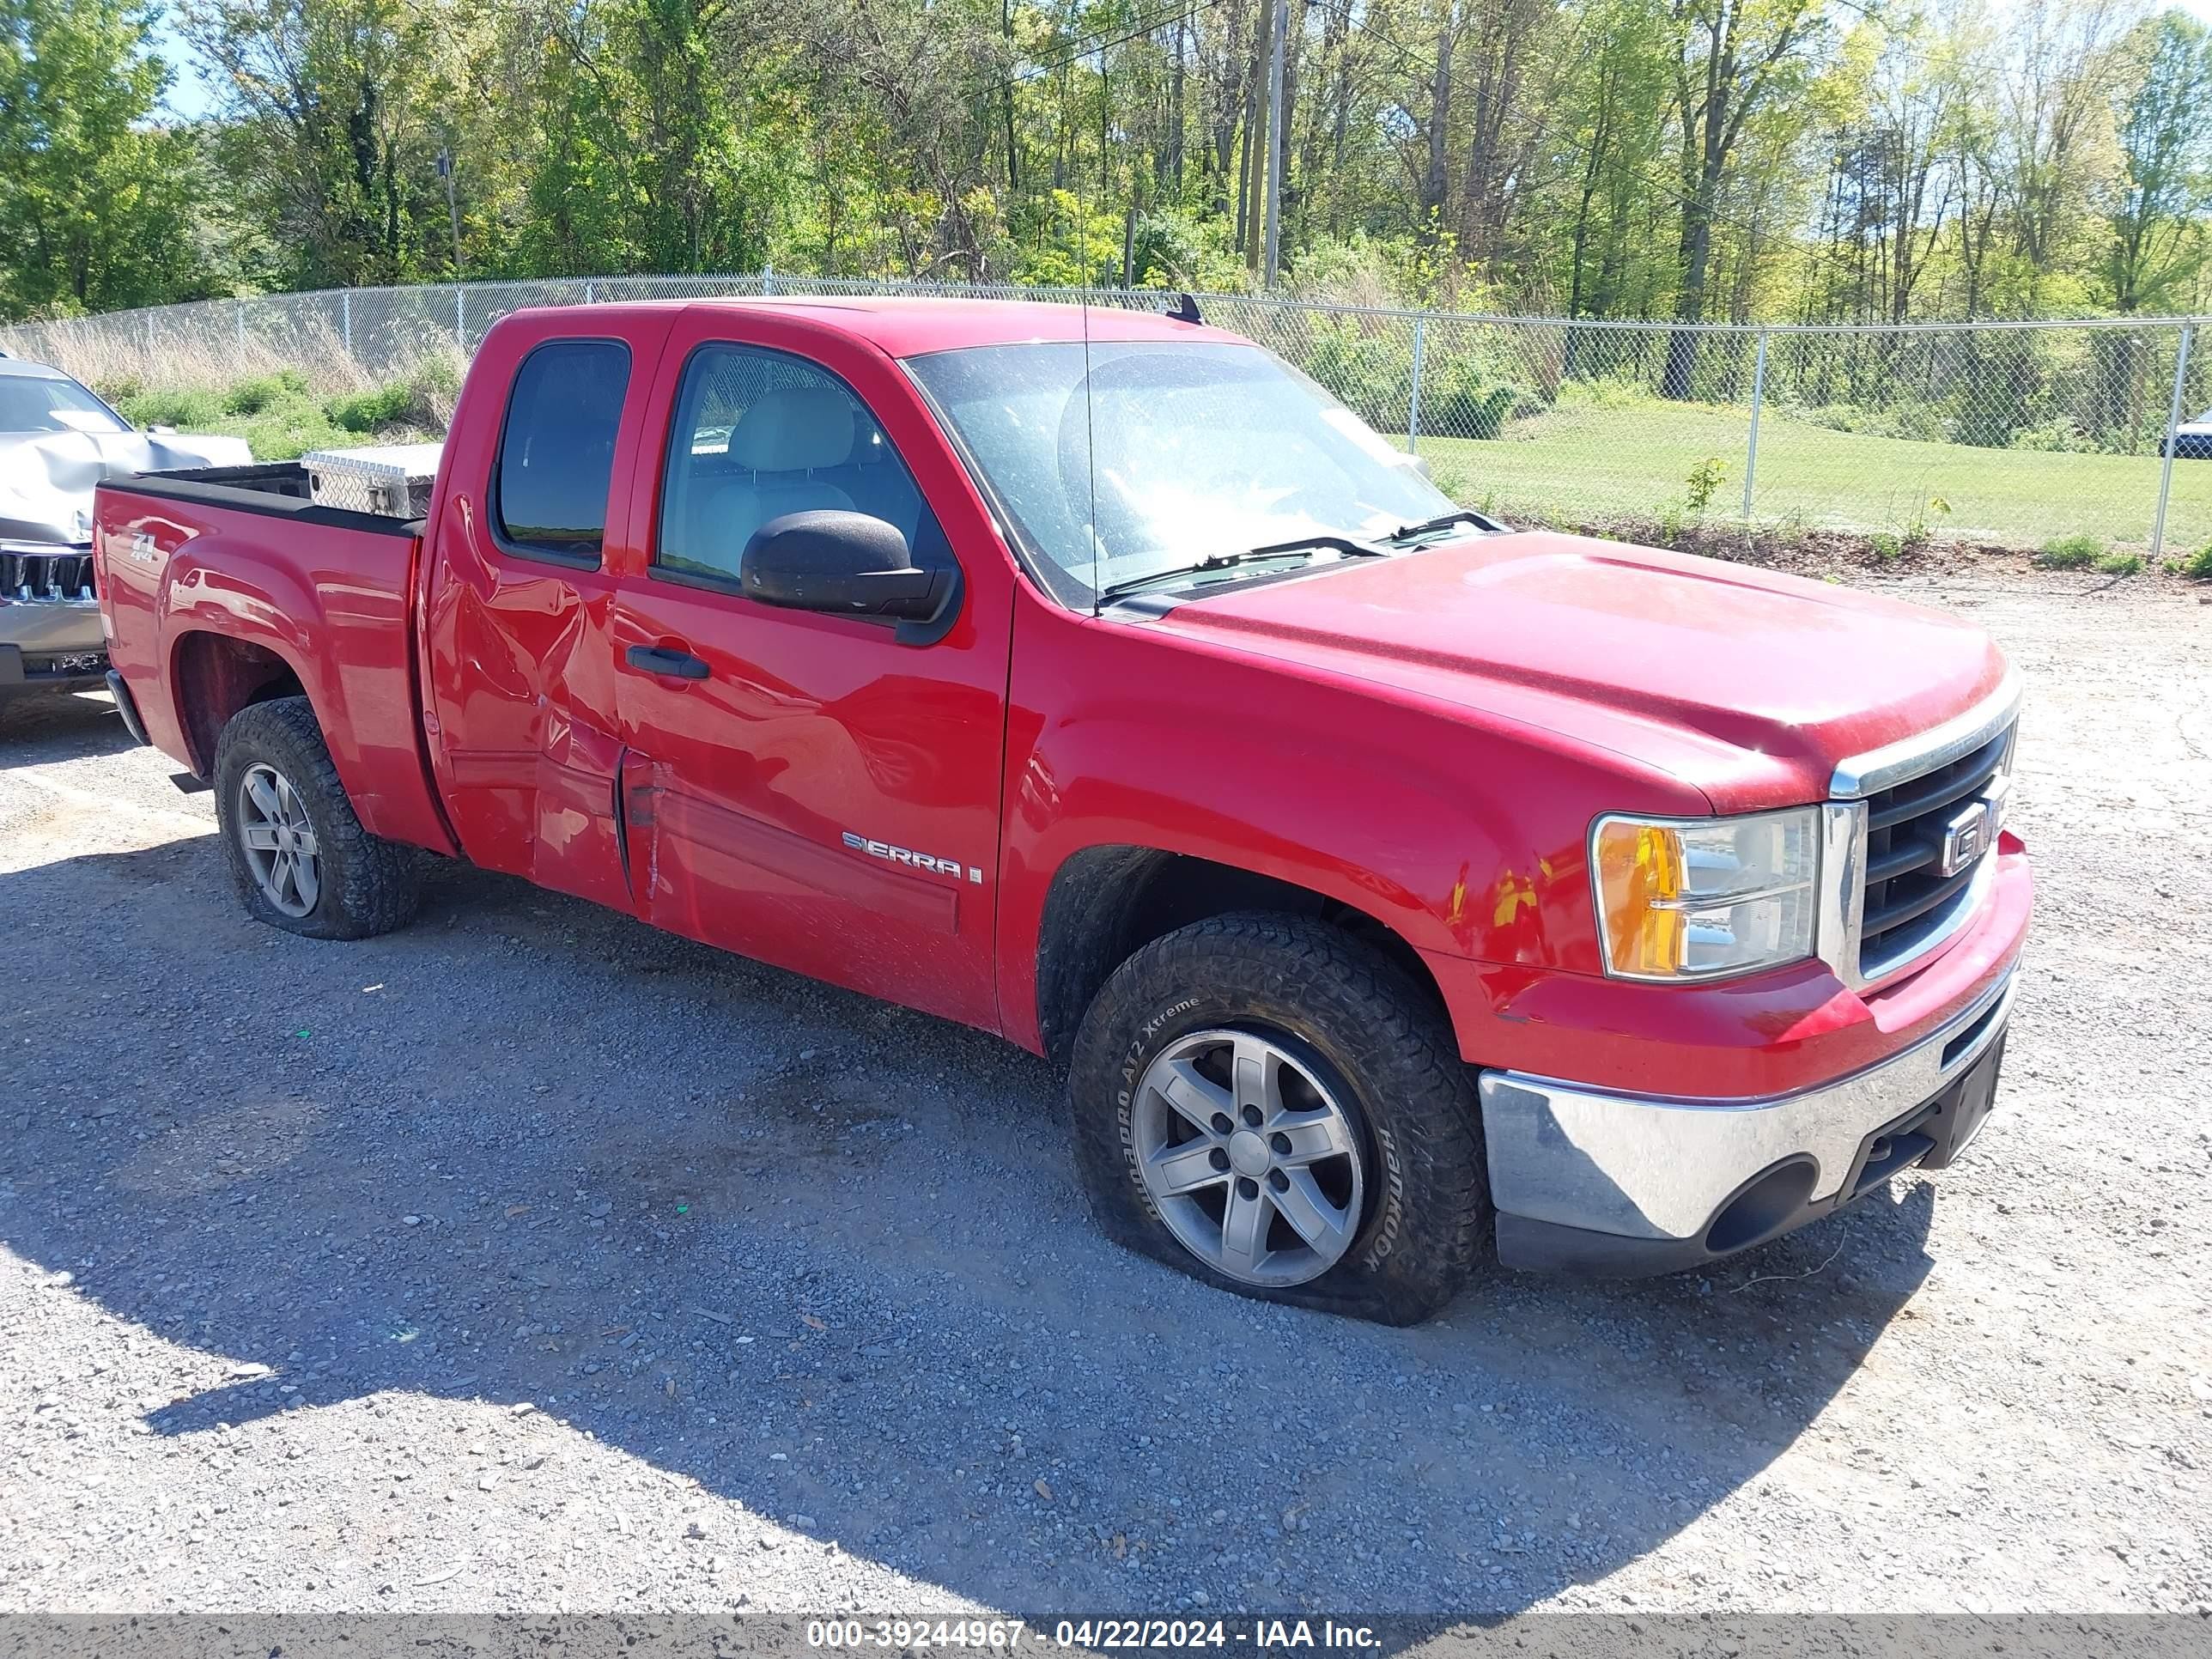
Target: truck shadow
{"points": [[826, 1259], [46, 728]]}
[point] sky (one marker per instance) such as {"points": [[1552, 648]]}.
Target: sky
{"points": [[190, 95]]}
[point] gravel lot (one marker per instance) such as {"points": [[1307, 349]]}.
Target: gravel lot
{"points": [[529, 1259]]}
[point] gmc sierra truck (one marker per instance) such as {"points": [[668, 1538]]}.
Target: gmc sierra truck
{"points": [[1389, 886]]}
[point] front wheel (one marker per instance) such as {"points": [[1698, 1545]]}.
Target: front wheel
{"points": [[298, 853], [1270, 1106]]}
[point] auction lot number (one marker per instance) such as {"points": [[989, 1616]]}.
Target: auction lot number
{"points": [[914, 1633], [1096, 1635], [1006, 1634]]}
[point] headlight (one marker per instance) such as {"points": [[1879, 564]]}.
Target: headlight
{"points": [[1702, 898]]}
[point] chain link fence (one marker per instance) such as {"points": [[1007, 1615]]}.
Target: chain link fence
{"points": [[2008, 434]]}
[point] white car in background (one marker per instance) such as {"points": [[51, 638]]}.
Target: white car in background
{"points": [[2192, 439], [56, 441]]}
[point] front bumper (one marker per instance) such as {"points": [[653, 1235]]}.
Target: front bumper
{"points": [[51, 645], [1593, 1182]]}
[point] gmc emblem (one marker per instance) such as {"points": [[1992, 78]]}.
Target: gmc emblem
{"points": [[1966, 838]]}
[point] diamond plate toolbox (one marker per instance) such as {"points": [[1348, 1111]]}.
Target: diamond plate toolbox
{"points": [[391, 480]]}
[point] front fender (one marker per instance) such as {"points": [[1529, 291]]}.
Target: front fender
{"points": [[1464, 841]]}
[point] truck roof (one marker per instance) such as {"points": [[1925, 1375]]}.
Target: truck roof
{"points": [[905, 326]]}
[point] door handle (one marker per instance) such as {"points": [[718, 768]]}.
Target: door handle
{"points": [[676, 664]]}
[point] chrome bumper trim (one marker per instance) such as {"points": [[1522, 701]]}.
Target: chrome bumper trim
{"points": [[53, 627], [1658, 1168], [1859, 775]]}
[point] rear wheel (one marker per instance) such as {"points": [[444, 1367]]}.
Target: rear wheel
{"points": [[297, 848], [1269, 1105]]}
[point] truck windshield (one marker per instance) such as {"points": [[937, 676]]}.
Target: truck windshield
{"points": [[32, 403], [1174, 453]]}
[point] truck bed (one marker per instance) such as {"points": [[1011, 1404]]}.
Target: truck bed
{"points": [[220, 585], [281, 487]]}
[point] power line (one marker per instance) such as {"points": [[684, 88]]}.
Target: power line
{"points": [[1038, 71]]}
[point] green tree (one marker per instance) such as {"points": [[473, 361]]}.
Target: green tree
{"points": [[1733, 59], [2165, 150], [338, 110], [1814, 161], [666, 134], [1613, 117], [101, 206]]}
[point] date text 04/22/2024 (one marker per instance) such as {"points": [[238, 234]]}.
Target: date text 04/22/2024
{"points": [[1105, 1635]]}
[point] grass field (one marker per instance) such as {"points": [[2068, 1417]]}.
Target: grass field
{"points": [[1601, 463]]}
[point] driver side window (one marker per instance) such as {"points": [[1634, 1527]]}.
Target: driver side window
{"points": [[759, 433]]}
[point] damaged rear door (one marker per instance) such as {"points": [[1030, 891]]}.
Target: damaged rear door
{"points": [[523, 726]]}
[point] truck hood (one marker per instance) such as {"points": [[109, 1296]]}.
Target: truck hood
{"points": [[1747, 685], [46, 478]]}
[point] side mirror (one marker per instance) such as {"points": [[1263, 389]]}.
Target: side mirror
{"points": [[157, 431], [850, 563]]}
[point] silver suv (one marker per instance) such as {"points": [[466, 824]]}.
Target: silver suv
{"points": [[56, 441]]}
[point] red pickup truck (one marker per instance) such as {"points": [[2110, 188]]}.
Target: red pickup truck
{"points": [[1387, 883]]}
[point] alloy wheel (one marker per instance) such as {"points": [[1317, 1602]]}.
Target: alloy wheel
{"points": [[1252, 1160], [279, 842]]}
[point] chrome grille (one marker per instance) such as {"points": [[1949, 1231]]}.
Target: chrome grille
{"points": [[30, 577], [1910, 904]]}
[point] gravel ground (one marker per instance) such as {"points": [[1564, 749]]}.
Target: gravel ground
{"points": [[529, 1259]]}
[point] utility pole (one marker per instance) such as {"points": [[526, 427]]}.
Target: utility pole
{"points": [[453, 206], [1252, 164], [453, 212], [1274, 233], [1006, 106]]}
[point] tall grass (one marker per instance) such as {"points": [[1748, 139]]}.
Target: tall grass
{"points": [[316, 353], [309, 393], [281, 409]]}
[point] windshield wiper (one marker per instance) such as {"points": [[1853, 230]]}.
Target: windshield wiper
{"points": [[1442, 521], [1301, 547]]}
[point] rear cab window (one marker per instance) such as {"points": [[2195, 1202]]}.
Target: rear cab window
{"points": [[556, 450]]}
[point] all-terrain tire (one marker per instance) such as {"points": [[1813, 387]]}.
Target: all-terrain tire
{"points": [[1361, 1025], [366, 884]]}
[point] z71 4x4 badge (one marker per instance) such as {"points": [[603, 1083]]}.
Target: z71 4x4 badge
{"points": [[908, 856]]}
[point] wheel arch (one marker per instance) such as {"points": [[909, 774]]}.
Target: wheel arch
{"points": [[215, 675], [1107, 902]]}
